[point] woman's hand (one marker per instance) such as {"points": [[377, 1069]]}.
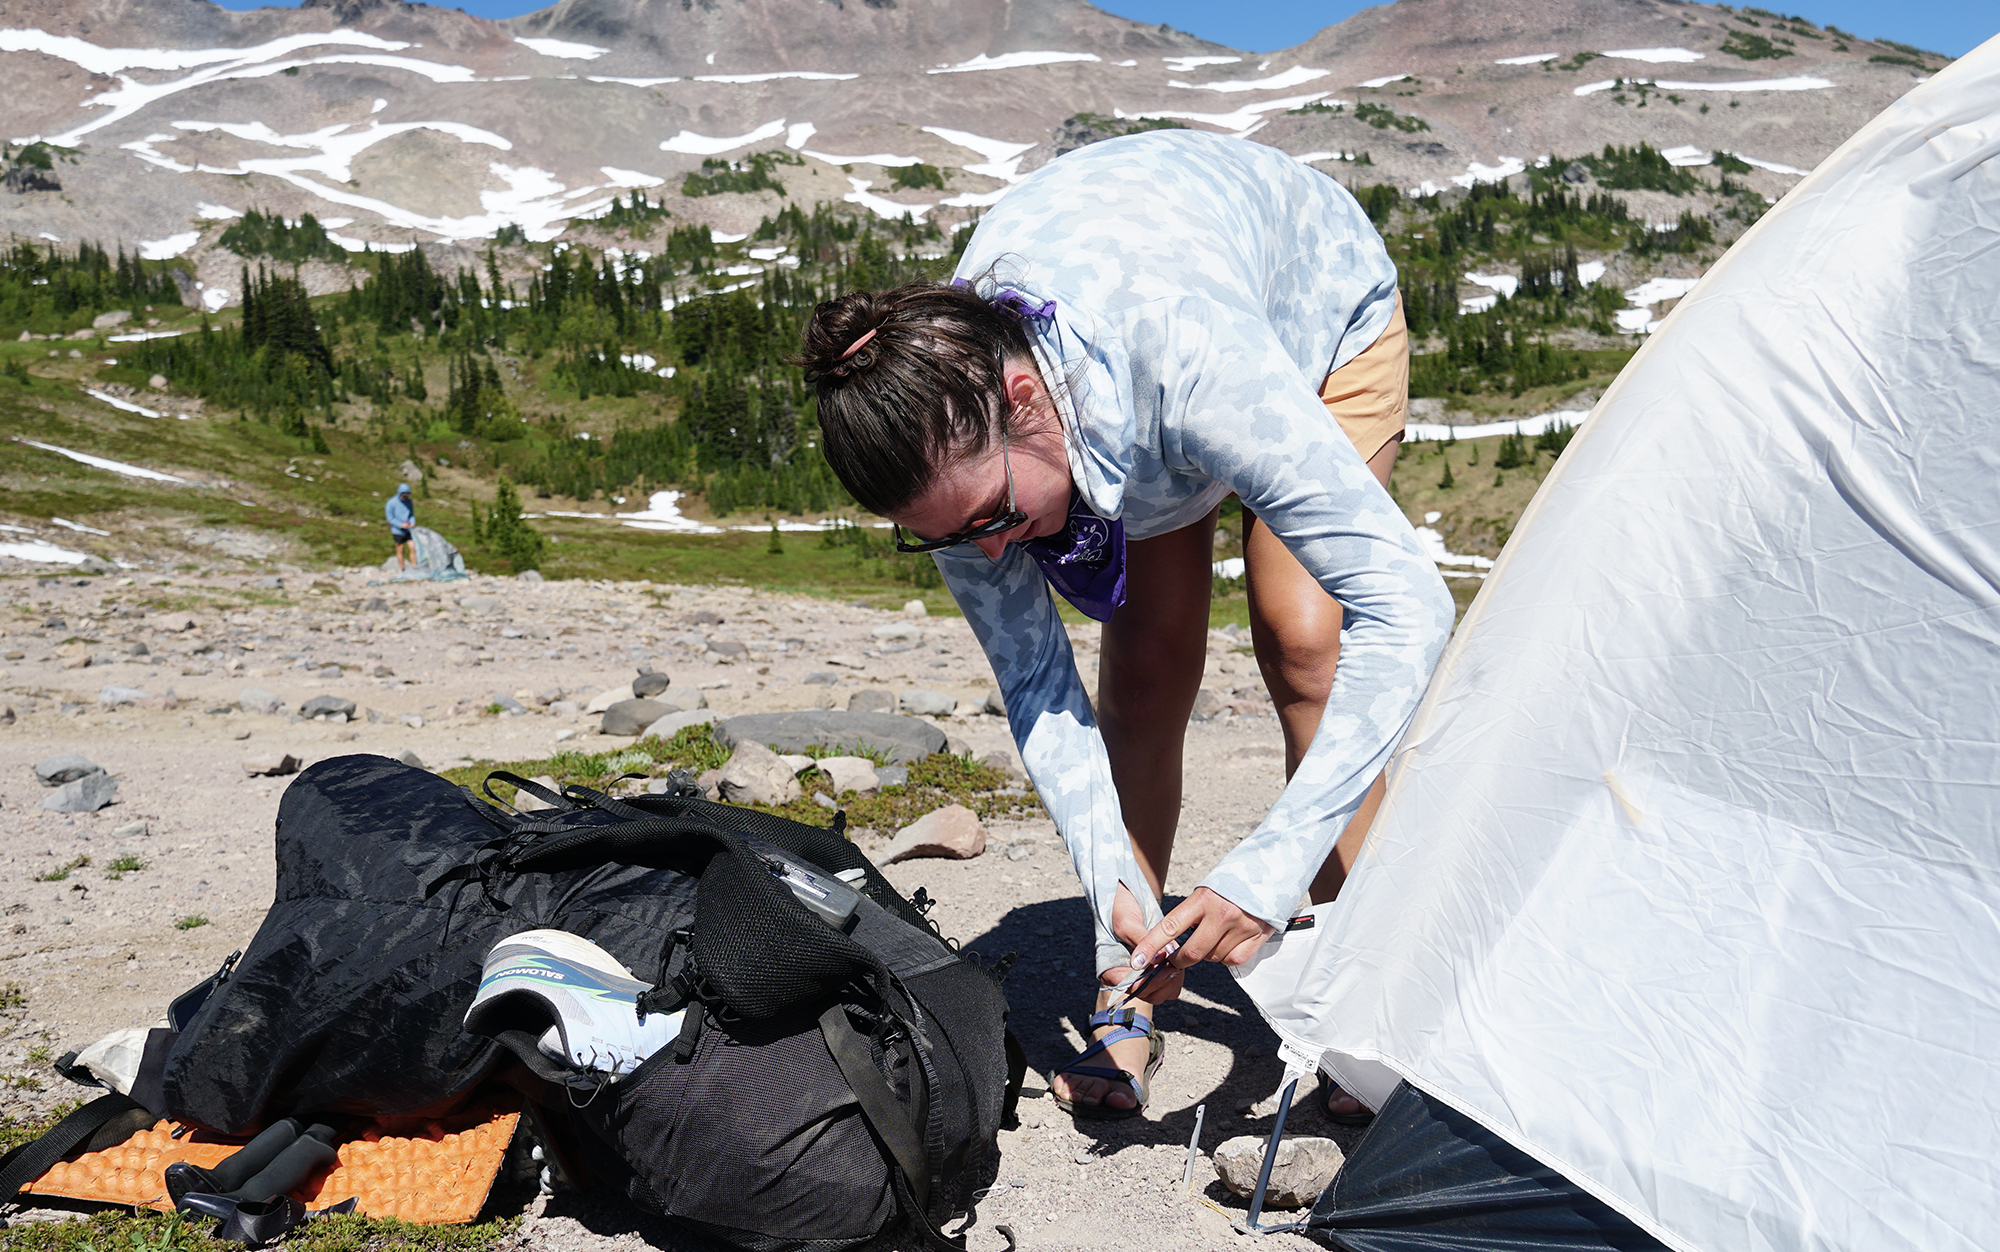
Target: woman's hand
{"points": [[1222, 932]]}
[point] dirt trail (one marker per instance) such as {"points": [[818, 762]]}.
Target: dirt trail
{"points": [[92, 952]]}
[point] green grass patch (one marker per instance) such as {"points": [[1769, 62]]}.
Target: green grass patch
{"points": [[935, 781], [122, 866], [192, 921], [61, 872]]}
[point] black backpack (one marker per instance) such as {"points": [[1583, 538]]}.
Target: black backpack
{"points": [[827, 1080]]}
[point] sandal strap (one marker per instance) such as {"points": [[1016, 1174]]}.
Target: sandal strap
{"points": [[1117, 1036], [1128, 1018]]}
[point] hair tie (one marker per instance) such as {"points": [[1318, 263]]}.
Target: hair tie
{"points": [[856, 345]]}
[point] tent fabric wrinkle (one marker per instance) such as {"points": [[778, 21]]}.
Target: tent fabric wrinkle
{"points": [[1683, 897]]}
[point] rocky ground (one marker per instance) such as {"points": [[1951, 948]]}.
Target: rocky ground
{"points": [[100, 947]]}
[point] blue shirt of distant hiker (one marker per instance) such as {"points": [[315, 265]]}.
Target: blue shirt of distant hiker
{"points": [[1203, 288], [399, 511]]}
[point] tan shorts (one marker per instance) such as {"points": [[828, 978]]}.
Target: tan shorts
{"points": [[1370, 395]]}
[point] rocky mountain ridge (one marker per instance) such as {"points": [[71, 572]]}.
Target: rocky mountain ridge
{"points": [[401, 123]]}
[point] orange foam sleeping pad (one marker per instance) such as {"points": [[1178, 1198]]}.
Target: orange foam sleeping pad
{"points": [[439, 1175]]}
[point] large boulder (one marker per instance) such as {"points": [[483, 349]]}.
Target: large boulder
{"points": [[756, 775], [631, 717], [1303, 1168], [900, 739], [86, 795], [57, 770], [953, 831]]}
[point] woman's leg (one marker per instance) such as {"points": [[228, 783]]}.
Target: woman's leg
{"points": [[1148, 672], [1295, 627]]}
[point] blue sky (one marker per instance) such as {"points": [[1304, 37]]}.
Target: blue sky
{"points": [[1953, 27]]}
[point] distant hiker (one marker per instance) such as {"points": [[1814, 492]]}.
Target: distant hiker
{"points": [[1143, 327], [402, 515]]}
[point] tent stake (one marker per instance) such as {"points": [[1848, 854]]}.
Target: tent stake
{"points": [[1249, 1225], [1194, 1148]]}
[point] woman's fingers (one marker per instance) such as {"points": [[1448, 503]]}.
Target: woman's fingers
{"points": [[1221, 931]]}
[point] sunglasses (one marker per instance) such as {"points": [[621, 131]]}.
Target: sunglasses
{"points": [[1007, 520]]}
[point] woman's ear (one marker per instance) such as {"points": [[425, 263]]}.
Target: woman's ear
{"points": [[1025, 392]]}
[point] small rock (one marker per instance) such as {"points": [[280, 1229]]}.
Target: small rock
{"points": [[1207, 705], [915, 608], [415, 721], [459, 654], [529, 576], [674, 723], [704, 617], [631, 717], [271, 582], [821, 678], [411, 759], [893, 775], [258, 700], [85, 795], [797, 762], [326, 704], [824, 800], [846, 662], [1020, 851], [270, 764], [605, 699], [732, 648], [928, 703], [382, 671], [57, 770], [953, 831], [956, 746], [756, 775], [995, 703], [900, 632], [115, 696], [157, 382], [93, 565], [409, 471], [564, 708], [687, 698], [171, 623], [528, 801], [76, 662], [871, 700], [486, 605], [7, 716], [327, 672], [548, 696], [131, 830], [565, 734], [509, 706], [1304, 1167], [242, 734], [105, 321], [850, 773], [1006, 762], [649, 683], [138, 649], [710, 783]]}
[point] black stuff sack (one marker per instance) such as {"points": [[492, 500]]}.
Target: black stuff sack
{"points": [[829, 1079]]}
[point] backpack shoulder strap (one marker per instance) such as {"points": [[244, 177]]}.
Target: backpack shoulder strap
{"points": [[36, 1157]]}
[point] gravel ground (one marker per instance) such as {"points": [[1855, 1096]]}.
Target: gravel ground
{"points": [[90, 953]]}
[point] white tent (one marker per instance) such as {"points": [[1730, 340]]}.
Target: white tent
{"points": [[1688, 881]]}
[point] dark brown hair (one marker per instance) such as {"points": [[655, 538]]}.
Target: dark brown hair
{"points": [[929, 387]]}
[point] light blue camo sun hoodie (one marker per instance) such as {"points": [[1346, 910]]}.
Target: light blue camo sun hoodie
{"points": [[1203, 288]]}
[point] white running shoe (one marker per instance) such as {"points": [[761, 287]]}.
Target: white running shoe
{"points": [[540, 975]]}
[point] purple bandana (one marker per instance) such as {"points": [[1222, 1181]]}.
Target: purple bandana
{"points": [[1085, 561]]}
